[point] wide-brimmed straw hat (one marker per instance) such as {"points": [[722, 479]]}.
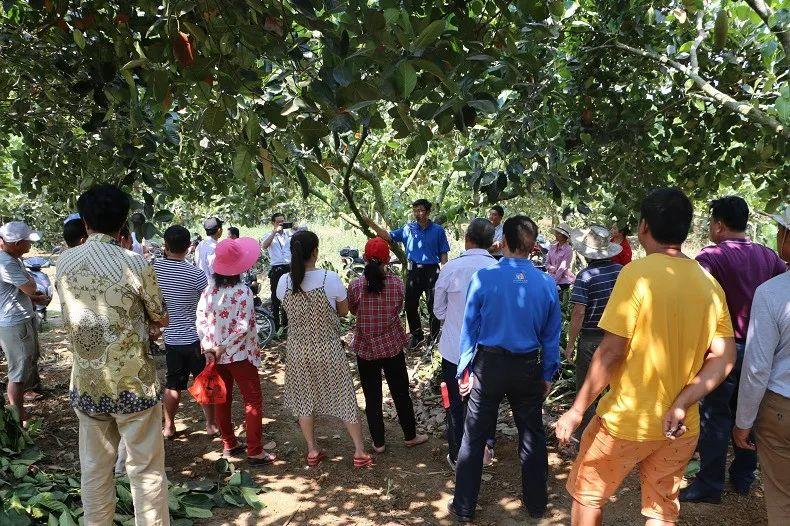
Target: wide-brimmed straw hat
{"points": [[563, 229], [783, 216], [594, 243], [236, 256]]}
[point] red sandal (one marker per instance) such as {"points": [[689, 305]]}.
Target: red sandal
{"points": [[363, 462], [316, 460]]}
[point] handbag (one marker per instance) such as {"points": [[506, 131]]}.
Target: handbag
{"points": [[208, 387]]}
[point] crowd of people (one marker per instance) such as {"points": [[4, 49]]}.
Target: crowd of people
{"points": [[649, 338]]}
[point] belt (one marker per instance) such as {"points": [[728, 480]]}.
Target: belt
{"points": [[413, 265], [529, 357], [281, 266], [592, 332]]}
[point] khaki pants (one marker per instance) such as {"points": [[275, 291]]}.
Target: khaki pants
{"points": [[772, 436], [99, 437]]}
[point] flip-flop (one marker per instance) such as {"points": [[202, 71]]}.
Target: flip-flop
{"points": [[262, 461], [316, 460], [416, 441], [363, 462], [32, 396], [235, 450]]}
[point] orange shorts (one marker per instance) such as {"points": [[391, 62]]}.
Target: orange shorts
{"points": [[604, 461]]}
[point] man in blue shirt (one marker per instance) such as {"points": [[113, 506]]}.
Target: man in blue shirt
{"points": [[426, 247], [510, 345]]}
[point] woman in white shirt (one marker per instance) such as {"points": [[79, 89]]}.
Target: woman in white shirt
{"points": [[317, 376]]}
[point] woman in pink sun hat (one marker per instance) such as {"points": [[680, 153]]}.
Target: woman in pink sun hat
{"points": [[226, 326]]}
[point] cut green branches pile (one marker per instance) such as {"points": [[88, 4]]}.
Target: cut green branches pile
{"points": [[32, 495]]}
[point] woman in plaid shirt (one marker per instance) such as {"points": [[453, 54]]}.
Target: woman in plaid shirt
{"points": [[376, 299]]}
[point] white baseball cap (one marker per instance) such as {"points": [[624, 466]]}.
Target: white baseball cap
{"points": [[14, 231]]}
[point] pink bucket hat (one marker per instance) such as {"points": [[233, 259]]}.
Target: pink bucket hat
{"points": [[235, 256]]}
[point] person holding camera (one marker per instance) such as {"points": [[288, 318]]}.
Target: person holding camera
{"points": [[278, 244]]}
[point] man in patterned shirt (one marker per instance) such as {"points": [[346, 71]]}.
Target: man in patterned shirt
{"points": [[110, 301]]}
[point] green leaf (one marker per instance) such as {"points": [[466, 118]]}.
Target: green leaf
{"points": [[266, 164], [408, 77], [66, 519], [79, 38], [484, 105], [163, 216], [318, 170], [242, 162], [197, 500], [252, 496], [429, 35], [312, 130], [252, 128], [214, 119], [160, 84], [198, 513]]}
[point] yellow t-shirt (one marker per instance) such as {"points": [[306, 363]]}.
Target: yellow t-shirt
{"points": [[670, 309]]}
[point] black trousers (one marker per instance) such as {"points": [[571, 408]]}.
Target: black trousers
{"points": [[519, 377], [275, 273], [398, 381], [421, 281], [458, 412]]}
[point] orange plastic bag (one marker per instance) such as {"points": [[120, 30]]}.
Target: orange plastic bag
{"points": [[208, 387]]}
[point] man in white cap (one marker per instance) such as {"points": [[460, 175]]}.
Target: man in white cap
{"points": [[204, 253], [764, 391], [18, 334], [589, 297]]}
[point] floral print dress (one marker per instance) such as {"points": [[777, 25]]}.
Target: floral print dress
{"points": [[226, 318]]}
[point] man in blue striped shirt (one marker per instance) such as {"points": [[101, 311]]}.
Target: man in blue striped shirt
{"points": [[591, 292], [510, 345]]}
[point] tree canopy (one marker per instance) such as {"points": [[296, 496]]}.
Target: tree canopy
{"points": [[360, 106]]}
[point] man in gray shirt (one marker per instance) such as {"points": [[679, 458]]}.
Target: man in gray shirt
{"points": [[764, 391], [18, 335]]}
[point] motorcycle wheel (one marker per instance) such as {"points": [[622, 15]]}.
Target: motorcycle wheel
{"points": [[265, 325]]}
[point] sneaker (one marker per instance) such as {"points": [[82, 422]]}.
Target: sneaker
{"points": [[459, 518], [696, 493]]}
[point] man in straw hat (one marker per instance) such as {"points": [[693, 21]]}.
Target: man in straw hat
{"points": [[591, 292], [764, 391]]}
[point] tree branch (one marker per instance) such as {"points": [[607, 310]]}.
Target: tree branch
{"points": [[413, 173], [345, 217], [348, 193], [701, 34], [744, 109], [782, 33]]}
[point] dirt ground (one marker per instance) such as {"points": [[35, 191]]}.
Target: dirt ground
{"points": [[406, 486]]}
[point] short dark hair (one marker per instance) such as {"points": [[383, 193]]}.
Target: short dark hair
{"points": [[177, 239], [104, 208], [668, 213], [138, 218], [233, 231], [731, 210], [520, 233], [226, 281], [499, 210], [423, 203], [481, 232], [73, 232], [276, 215]]}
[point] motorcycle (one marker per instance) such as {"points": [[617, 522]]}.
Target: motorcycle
{"points": [[34, 266], [354, 265], [264, 319]]}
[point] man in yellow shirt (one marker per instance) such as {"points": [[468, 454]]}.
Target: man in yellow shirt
{"points": [[668, 341]]}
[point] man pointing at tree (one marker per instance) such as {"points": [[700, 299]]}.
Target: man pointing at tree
{"points": [[426, 247]]}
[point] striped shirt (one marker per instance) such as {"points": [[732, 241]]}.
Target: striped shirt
{"points": [[181, 285], [592, 288]]}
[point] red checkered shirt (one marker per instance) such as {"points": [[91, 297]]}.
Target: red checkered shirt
{"points": [[379, 332]]}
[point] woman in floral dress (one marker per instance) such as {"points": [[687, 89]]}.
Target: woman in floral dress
{"points": [[228, 336], [317, 376]]}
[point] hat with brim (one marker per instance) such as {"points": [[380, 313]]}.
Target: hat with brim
{"points": [[236, 256], [563, 229], [15, 231], [782, 217], [594, 243]]}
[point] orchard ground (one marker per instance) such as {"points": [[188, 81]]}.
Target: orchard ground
{"points": [[406, 487]]}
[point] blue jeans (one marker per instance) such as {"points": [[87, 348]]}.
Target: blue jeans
{"points": [[520, 379], [455, 429], [717, 418]]}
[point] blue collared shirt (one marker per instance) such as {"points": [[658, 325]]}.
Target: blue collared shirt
{"points": [[515, 306], [423, 245]]}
